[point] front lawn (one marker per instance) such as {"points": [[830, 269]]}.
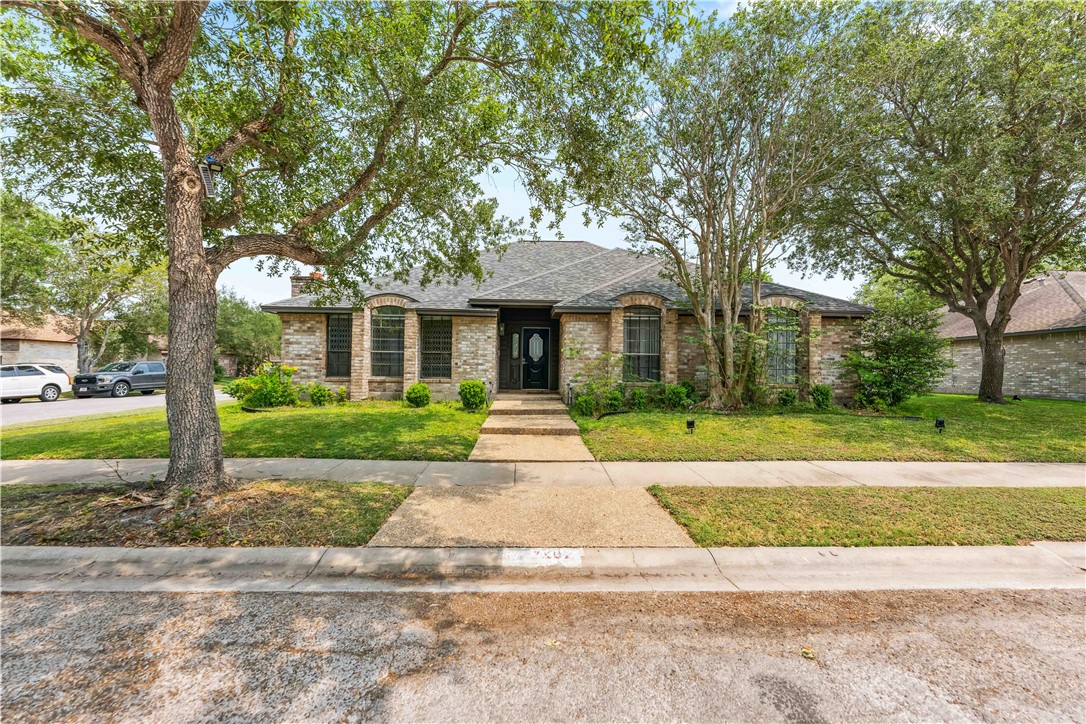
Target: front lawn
{"points": [[370, 430], [267, 513], [1031, 430], [718, 517]]}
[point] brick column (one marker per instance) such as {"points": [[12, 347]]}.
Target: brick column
{"points": [[410, 348], [360, 354], [813, 332], [669, 343]]}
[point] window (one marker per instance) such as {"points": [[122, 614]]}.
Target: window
{"points": [[435, 345], [642, 350], [156, 366], [140, 369], [9, 345], [386, 353], [55, 368], [339, 346], [782, 346], [29, 371], [8, 372]]}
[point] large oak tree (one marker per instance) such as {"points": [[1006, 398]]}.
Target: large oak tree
{"points": [[968, 167], [353, 136]]}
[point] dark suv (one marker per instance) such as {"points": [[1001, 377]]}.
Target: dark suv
{"points": [[120, 378]]}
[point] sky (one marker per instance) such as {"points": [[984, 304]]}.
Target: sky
{"points": [[257, 286]]}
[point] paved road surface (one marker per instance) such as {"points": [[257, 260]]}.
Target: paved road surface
{"points": [[890, 656], [34, 410]]}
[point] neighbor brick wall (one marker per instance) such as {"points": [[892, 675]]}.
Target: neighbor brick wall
{"points": [[1049, 365], [25, 350]]}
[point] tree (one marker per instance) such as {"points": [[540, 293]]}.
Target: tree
{"points": [[243, 330], [352, 136], [730, 132], [26, 258], [139, 327], [89, 280], [901, 353], [967, 173]]}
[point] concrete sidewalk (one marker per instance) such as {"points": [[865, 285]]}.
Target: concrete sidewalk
{"points": [[454, 474], [1036, 566]]}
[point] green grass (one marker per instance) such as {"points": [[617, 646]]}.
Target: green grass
{"points": [[718, 517], [371, 430], [1031, 430], [267, 513]]}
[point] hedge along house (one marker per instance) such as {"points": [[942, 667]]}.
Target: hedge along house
{"points": [[546, 310]]}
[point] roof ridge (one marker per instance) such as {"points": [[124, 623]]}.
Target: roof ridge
{"points": [[548, 270], [1071, 291], [655, 264]]}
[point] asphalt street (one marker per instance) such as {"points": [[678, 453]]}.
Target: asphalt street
{"points": [[34, 410], [885, 656]]}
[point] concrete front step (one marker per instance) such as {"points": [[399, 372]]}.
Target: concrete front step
{"points": [[527, 395], [529, 425], [546, 406]]}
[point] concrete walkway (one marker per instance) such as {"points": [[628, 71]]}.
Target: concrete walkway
{"points": [[421, 473], [1036, 566], [529, 427]]}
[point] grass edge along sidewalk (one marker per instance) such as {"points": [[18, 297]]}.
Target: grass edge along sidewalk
{"points": [[875, 516], [316, 513]]}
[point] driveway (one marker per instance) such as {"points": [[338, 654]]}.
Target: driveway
{"points": [[35, 411], [256, 657]]}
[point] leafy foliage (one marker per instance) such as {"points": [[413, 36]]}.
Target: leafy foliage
{"points": [[901, 353], [319, 395], [787, 397], [26, 258], [821, 396], [472, 394], [245, 331], [271, 386], [417, 395]]}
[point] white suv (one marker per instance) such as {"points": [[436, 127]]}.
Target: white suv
{"points": [[44, 381]]}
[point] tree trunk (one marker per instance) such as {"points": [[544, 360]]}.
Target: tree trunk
{"points": [[196, 457], [991, 365]]}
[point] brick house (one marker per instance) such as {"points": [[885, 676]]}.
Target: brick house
{"points": [[1045, 342], [48, 343], [515, 330]]}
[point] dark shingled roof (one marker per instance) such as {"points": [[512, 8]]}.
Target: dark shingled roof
{"points": [[1049, 303], [571, 276]]}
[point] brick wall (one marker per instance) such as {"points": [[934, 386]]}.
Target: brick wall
{"points": [[303, 346], [24, 350], [589, 335], [1036, 365], [839, 334]]}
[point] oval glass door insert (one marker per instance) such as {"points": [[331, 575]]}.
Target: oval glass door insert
{"points": [[535, 347]]}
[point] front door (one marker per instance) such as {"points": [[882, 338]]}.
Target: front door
{"points": [[536, 353]]}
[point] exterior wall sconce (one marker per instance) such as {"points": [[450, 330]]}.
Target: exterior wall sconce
{"points": [[501, 329], [940, 424]]}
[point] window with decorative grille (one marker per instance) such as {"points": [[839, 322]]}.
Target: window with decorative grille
{"points": [[642, 350], [781, 362], [386, 338], [338, 346], [435, 347]]}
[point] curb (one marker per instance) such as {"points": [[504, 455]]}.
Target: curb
{"points": [[1036, 566]]}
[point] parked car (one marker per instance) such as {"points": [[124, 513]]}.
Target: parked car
{"points": [[120, 378], [45, 381]]}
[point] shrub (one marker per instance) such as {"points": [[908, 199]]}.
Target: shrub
{"points": [[319, 395], [418, 395], [270, 387], [637, 399], [822, 396], [675, 397], [585, 405], [472, 394], [612, 401], [341, 395], [901, 353], [691, 390], [786, 397]]}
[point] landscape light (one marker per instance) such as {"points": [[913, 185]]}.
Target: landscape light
{"points": [[690, 426], [940, 424], [1016, 398]]}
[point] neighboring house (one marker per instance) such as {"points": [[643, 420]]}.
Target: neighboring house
{"points": [[540, 300], [47, 343], [1045, 342]]}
